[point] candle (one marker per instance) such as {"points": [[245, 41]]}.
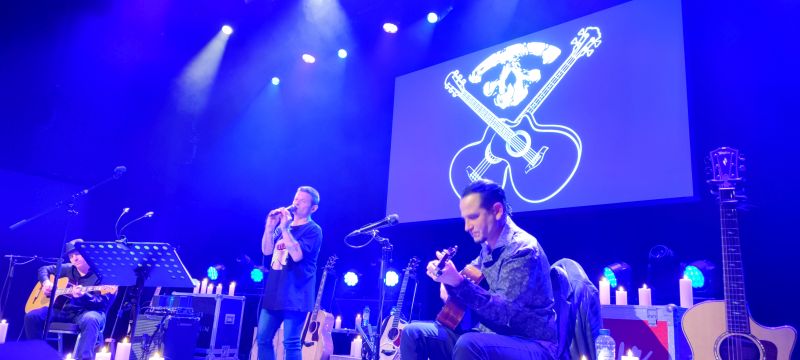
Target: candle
{"points": [[69, 357], [687, 297], [355, 347], [196, 288], [358, 320], [622, 296], [219, 289], [103, 354], [204, 286], [337, 324], [583, 357], [3, 330], [209, 289], [123, 350], [155, 356], [644, 296], [232, 288], [605, 292], [629, 356]]}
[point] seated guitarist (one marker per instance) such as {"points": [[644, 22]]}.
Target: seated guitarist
{"points": [[514, 319], [87, 309]]}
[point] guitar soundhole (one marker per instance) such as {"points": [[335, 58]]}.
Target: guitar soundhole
{"points": [[312, 328], [739, 347], [393, 333]]}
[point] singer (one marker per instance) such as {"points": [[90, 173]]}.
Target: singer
{"points": [[289, 289], [514, 319]]}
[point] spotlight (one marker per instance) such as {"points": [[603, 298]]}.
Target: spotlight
{"points": [[432, 17], [212, 273], [276, 80], [390, 28], [391, 278], [618, 274], [257, 275], [701, 273], [309, 59], [351, 278], [342, 53], [227, 30]]}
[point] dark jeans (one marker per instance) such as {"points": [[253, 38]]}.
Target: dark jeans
{"points": [[268, 323], [424, 340], [90, 324]]}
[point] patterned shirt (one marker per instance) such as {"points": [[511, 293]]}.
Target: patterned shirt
{"points": [[519, 301]]}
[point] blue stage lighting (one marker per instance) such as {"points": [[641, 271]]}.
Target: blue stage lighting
{"points": [[309, 59], [276, 80], [618, 274], [391, 278], [351, 278], [227, 30], [257, 275], [212, 273], [432, 17], [342, 53], [390, 28]]}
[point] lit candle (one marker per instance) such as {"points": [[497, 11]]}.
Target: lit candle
{"points": [[358, 320], [337, 324], [123, 350], [209, 289], [203, 286], [687, 297], [583, 357], [232, 288], [155, 356], [644, 296], [219, 289], [605, 292], [69, 357], [629, 356], [355, 347], [103, 354], [622, 296], [196, 288], [3, 330]]}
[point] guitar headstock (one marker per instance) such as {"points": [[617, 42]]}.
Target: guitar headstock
{"points": [[727, 168], [454, 83], [411, 268], [448, 255], [331, 262], [586, 41]]}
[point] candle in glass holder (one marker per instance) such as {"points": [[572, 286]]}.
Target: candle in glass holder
{"points": [[645, 298], [622, 296], [687, 297], [605, 292]]}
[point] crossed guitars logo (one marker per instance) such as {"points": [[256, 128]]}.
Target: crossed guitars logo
{"points": [[537, 159]]}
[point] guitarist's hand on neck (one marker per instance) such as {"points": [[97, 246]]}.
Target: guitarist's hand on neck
{"points": [[447, 275]]}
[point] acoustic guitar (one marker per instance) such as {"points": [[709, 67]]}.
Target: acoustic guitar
{"points": [[723, 329], [393, 328], [316, 340], [454, 315], [37, 299]]}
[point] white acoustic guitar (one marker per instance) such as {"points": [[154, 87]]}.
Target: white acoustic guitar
{"points": [[393, 328], [723, 329]]}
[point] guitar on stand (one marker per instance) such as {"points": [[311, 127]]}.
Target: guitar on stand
{"points": [[38, 299], [723, 329], [390, 338], [316, 340]]}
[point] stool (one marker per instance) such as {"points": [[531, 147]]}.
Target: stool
{"points": [[61, 328]]}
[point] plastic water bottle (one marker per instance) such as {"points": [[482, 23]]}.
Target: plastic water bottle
{"points": [[605, 346]]}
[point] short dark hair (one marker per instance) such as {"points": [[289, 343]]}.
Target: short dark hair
{"points": [[310, 191], [490, 193]]}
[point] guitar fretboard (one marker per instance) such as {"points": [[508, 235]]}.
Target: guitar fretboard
{"points": [[733, 271]]}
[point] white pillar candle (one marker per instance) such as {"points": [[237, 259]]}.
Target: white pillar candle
{"points": [[3, 330], [196, 288], [219, 289], [209, 289], [204, 286], [337, 324], [103, 354], [687, 297], [123, 350], [358, 320], [629, 356], [622, 296], [232, 288], [155, 356], [605, 292], [645, 298], [69, 357], [355, 347]]}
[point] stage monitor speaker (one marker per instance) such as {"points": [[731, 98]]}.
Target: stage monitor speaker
{"points": [[171, 336]]}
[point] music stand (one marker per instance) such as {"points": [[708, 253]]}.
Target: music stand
{"points": [[140, 264]]}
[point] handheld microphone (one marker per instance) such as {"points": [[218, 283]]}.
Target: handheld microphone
{"points": [[291, 209], [390, 220]]}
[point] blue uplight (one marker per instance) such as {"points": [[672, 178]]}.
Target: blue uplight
{"points": [[391, 278], [612, 279], [432, 17], [213, 275], [694, 274], [351, 278], [257, 275]]}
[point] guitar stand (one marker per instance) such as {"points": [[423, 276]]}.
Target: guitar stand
{"points": [[386, 254]]}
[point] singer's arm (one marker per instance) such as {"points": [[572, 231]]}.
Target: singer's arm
{"points": [[267, 240]]}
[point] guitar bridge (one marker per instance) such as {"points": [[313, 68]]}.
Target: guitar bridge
{"points": [[537, 159]]}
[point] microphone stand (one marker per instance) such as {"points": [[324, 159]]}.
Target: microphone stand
{"points": [[69, 205], [386, 254]]}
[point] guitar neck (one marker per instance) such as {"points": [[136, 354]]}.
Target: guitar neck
{"points": [[733, 271], [487, 116], [60, 292], [319, 295], [400, 299], [545, 91]]}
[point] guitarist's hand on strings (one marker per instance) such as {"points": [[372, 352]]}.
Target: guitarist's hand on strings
{"points": [[447, 275], [76, 291], [47, 287]]}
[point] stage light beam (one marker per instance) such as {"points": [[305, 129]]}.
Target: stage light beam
{"points": [[342, 53], [309, 58], [351, 278], [390, 28], [227, 30], [391, 278], [432, 17]]}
